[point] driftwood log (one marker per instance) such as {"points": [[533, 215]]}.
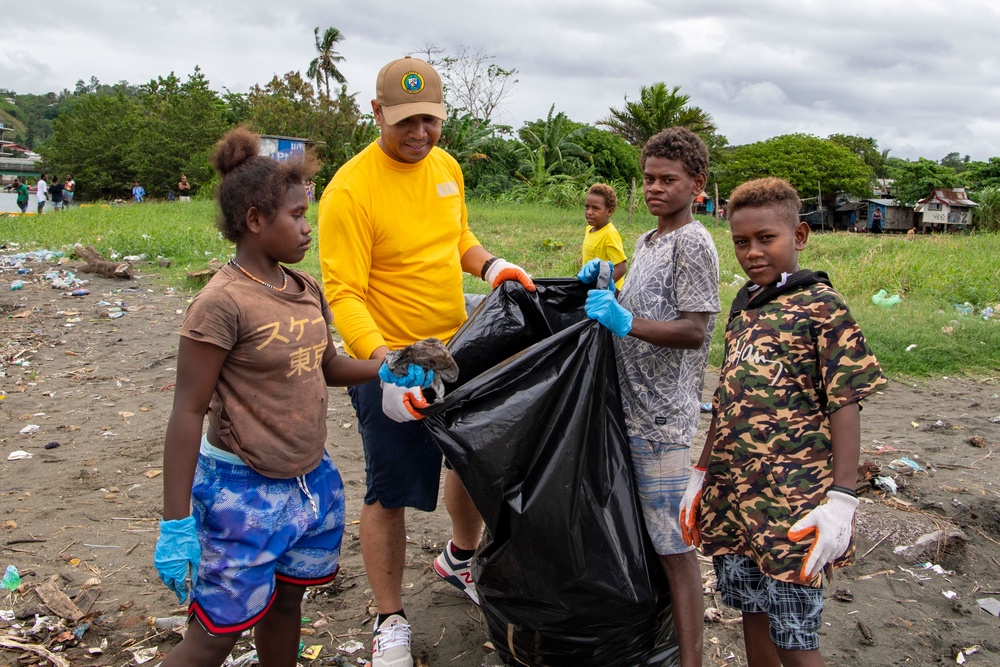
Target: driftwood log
{"points": [[37, 649], [58, 602], [203, 276], [97, 264]]}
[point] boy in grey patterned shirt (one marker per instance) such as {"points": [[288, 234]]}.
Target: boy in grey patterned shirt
{"points": [[664, 319]]}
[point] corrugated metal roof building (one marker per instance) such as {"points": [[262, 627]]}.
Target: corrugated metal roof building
{"points": [[946, 209]]}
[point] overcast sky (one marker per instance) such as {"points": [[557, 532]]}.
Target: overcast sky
{"points": [[920, 76]]}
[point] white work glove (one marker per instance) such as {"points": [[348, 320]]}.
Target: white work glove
{"points": [[501, 270], [833, 522], [690, 515], [400, 403]]}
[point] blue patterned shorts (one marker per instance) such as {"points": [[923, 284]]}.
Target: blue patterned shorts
{"points": [[661, 475], [794, 612], [255, 531]]}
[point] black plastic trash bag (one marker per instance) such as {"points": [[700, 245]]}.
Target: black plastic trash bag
{"points": [[534, 427]]}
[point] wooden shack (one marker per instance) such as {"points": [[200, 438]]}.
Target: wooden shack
{"points": [[896, 216], [946, 210]]}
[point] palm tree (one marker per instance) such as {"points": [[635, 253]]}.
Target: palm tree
{"points": [[657, 109], [464, 137], [555, 139], [324, 65]]}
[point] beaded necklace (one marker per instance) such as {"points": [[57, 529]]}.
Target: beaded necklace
{"points": [[284, 277]]}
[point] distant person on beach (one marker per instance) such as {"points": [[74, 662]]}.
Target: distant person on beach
{"points": [[41, 193], [22, 194], [877, 221], [69, 190], [56, 194], [184, 189]]}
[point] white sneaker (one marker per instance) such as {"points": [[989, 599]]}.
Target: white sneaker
{"points": [[391, 643], [458, 573]]}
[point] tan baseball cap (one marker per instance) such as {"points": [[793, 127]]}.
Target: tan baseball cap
{"points": [[409, 87]]}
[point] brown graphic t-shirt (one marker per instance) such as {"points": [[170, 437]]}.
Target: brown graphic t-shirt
{"points": [[790, 362], [269, 404]]}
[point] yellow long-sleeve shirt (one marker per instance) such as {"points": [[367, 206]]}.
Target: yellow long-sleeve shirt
{"points": [[391, 239], [604, 243]]}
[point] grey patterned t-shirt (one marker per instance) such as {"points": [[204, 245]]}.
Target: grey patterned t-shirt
{"points": [[661, 386]]}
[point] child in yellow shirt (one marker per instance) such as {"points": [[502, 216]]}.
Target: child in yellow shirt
{"points": [[602, 240]]}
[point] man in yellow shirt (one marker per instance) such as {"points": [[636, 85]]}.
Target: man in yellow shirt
{"points": [[394, 240]]}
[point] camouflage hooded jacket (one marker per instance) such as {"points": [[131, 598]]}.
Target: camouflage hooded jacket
{"points": [[793, 356]]}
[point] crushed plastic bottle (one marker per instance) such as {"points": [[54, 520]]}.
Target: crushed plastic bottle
{"points": [[167, 622], [16, 285], [987, 313], [963, 308], [11, 579], [78, 292], [882, 298]]}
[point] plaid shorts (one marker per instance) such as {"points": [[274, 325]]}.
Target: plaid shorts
{"points": [[256, 530], [661, 475], [793, 611]]}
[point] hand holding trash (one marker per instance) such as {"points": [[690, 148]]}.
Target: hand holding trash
{"points": [[430, 356], [177, 555], [500, 270], [690, 515], [604, 307], [833, 523], [591, 270], [415, 376], [400, 403]]}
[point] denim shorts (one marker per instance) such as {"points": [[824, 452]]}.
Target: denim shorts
{"points": [[402, 460], [661, 474], [255, 531], [793, 611]]}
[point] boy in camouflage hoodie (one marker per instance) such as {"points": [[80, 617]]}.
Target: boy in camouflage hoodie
{"points": [[772, 498]]}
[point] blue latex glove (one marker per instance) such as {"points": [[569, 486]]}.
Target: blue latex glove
{"points": [[592, 269], [177, 555], [604, 307], [416, 376]]}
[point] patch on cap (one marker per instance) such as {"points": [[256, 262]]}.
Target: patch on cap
{"points": [[412, 83]]}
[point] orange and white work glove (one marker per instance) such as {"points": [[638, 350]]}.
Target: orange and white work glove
{"points": [[833, 523], [690, 515], [400, 403], [498, 270]]}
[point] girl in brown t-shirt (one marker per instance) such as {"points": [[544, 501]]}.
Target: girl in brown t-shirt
{"points": [[253, 511]]}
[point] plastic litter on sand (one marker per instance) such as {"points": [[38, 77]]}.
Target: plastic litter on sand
{"points": [[11, 579]]}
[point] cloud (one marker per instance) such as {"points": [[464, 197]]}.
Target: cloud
{"points": [[19, 70], [921, 78]]}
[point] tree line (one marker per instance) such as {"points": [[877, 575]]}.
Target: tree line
{"points": [[111, 135]]}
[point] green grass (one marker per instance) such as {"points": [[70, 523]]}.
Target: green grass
{"points": [[931, 273]]}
